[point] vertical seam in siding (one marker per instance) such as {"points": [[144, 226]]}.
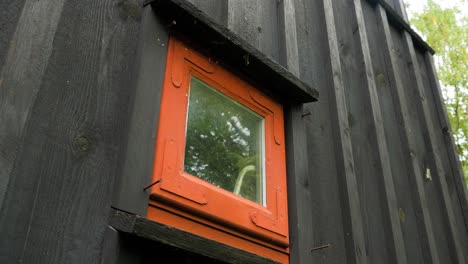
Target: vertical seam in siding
{"points": [[389, 196], [15, 106], [287, 24], [355, 245], [418, 197], [448, 137], [422, 104]]}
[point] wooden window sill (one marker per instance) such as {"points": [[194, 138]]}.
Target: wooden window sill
{"points": [[143, 228]]}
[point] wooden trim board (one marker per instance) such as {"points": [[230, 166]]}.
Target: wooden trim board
{"points": [[143, 228]]}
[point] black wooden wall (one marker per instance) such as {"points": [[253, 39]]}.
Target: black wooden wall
{"points": [[378, 178], [67, 70]]}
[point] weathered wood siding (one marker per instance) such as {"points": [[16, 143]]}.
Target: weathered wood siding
{"points": [[376, 174], [65, 90]]}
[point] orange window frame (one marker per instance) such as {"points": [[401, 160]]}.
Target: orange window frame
{"points": [[194, 196]]}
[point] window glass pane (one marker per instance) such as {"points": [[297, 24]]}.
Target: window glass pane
{"points": [[224, 143]]}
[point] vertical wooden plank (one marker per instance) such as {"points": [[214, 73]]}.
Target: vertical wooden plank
{"points": [[349, 195], [297, 172], [215, 9], [10, 12], [437, 169], [320, 218], [420, 151], [390, 3], [383, 232], [396, 242], [296, 152], [117, 248], [257, 23], [25, 63], [289, 55], [110, 246], [401, 9], [58, 201], [138, 159], [457, 171], [390, 123], [423, 218], [444, 157]]}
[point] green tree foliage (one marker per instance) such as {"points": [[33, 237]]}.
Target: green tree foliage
{"points": [[446, 30], [223, 142]]}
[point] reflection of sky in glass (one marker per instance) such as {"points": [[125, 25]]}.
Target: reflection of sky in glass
{"points": [[224, 142]]}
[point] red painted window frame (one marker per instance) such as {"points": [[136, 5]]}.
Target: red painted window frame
{"points": [[192, 195]]}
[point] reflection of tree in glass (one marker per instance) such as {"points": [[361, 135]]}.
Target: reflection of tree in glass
{"points": [[223, 137]]}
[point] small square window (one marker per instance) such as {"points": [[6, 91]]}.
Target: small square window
{"points": [[220, 151], [225, 143]]}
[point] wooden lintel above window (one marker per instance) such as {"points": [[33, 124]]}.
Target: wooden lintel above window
{"points": [[182, 17]]}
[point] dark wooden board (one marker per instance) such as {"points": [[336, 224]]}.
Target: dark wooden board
{"points": [[215, 9], [390, 3], [400, 22], [446, 226], [138, 158], [229, 49], [125, 248], [111, 247], [378, 100], [418, 147], [416, 221], [362, 132], [58, 200], [256, 22], [10, 12], [324, 214], [289, 54], [144, 228], [302, 216], [346, 160], [300, 202], [379, 49], [400, 8], [24, 63], [447, 176], [452, 154]]}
